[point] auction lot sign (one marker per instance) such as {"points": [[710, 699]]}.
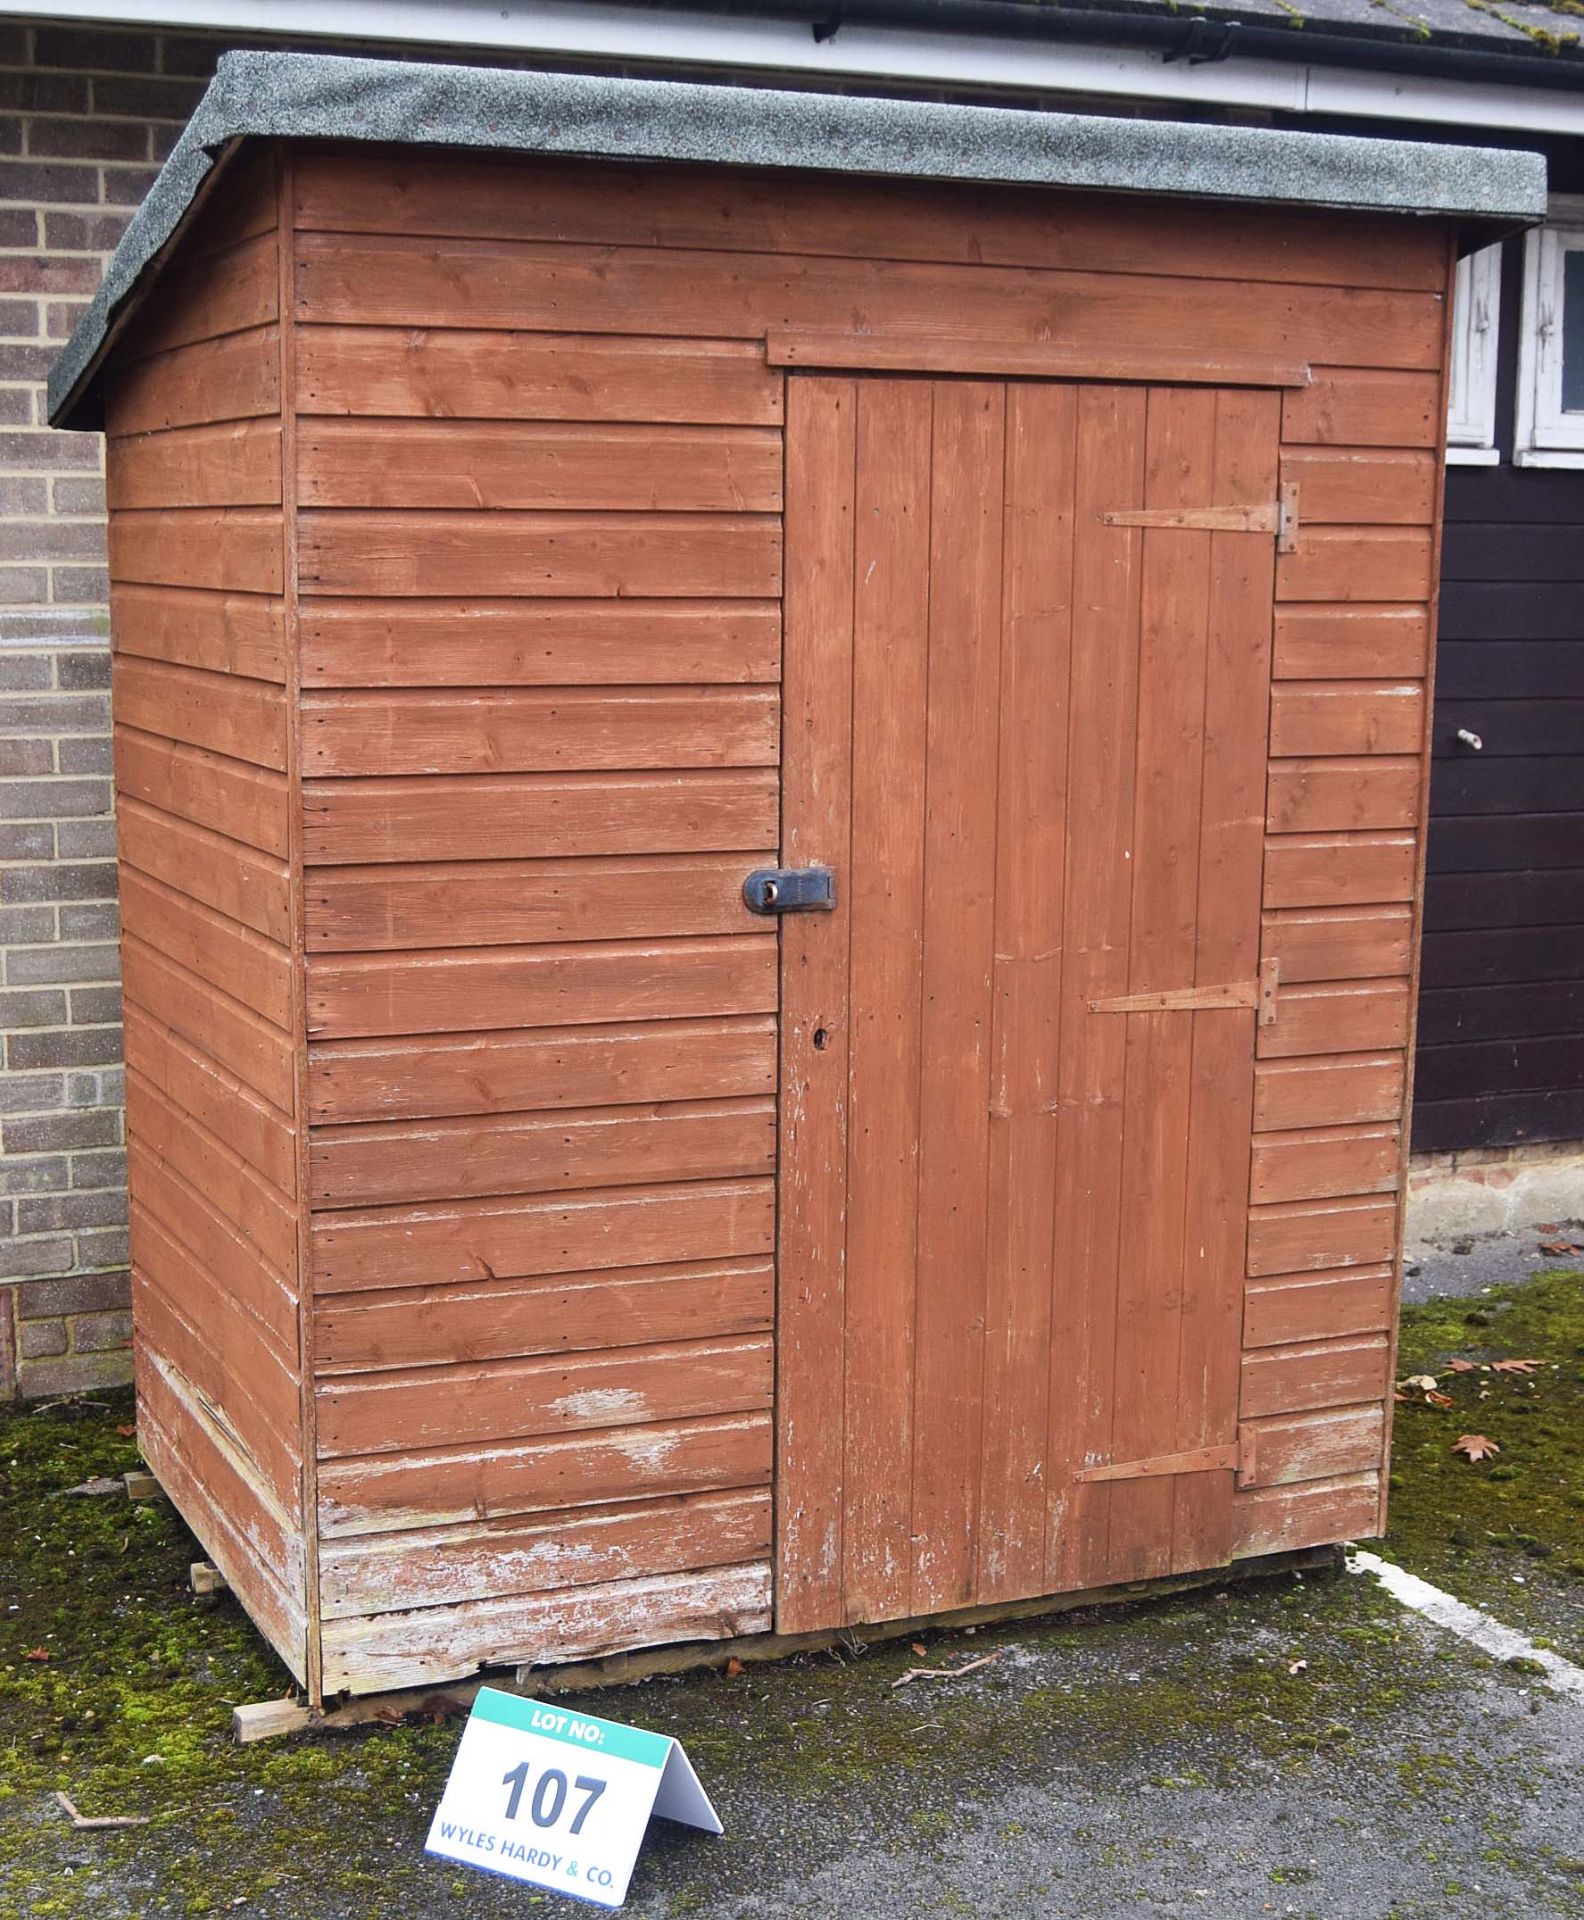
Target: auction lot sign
{"points": [[561, 1799]]}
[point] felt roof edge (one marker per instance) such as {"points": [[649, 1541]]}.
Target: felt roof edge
{"points": [[295, 96]]}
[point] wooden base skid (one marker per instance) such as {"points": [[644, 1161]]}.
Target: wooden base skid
{"points": [[266, 1719]]}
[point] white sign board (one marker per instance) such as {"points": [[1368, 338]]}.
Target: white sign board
{"points": [[561, 1799]]}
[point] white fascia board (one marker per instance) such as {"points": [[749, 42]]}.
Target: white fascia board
{"points": [[562, 29]]}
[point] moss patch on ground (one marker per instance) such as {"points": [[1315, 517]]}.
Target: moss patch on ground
{"points": [[1507, 1532], [1273, 1685]]}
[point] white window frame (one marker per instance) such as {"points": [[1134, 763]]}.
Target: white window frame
{"points": [[1545, 436], [1476, 326]]}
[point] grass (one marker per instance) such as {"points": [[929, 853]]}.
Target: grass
{"points": [[1506, 1533]]}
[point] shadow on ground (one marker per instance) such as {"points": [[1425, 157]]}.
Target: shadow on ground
{"points": [[1292, 1747]]}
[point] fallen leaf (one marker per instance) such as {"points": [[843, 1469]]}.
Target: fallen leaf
{"points": [[1514, 1366], [1425, 1382], [920, 1649], [1475, 1446], [96, 1487], [38, 1655], [1555, 1246], [1548, 1226], [733, 1667], [1461, 1366], [126, 1432], [1439, 1399], [1298, 1666]]}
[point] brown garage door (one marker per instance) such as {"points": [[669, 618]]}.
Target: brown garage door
{"points": [[1031, 741]]}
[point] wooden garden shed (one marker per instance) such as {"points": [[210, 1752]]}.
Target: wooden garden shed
{"points": [[556, 525]]}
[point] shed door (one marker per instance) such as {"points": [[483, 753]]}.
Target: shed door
{"points": [[1032, 745]]}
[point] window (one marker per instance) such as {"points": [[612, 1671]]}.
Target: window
{"points": [[1550, 423], [1471, 411]]}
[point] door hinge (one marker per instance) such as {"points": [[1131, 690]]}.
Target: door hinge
{"points": [[1259, 992], [1279, 517]]}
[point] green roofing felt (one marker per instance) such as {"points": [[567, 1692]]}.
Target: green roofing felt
{"points": [[312, 96]]}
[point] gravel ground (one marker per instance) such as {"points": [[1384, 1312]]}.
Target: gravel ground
{"points": [[1468, 1263]]}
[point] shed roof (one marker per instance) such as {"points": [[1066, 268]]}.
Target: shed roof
{"points": [[313, 96]]}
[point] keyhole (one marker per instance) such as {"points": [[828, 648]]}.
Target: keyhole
{"points": [[821, 1036]]}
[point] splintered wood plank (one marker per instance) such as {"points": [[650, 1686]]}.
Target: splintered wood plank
{"points": [[890, 678], [242, 802], [579, 1548], [1166, 927], [235, 464], [533, 376], [1351, 643], [417, 993], [1358, 563], [397, 1491], [539, 730], [1328, 1092], [224, 633], [549, 555], [1227, 942], [236, 377], [1313, 1163], [1368, 1016], [372, 1654], [516, 1071], [259, 1054], [234, 879], [537, 816], [816, 829], [252, 970], [1340, 869], [501, 1320], [1314, 1305], [411, 1160], [245, 719], [1330, 1373], [1317, 796], [519, 1239], [1311, 1514], [1309, 1235], [1363, 487], [555, 643], [571, 200], [498, 1400], [508, 464], [229, 549], [1315, 1446], [702, 293], [957, 987], [1336, 716], [1339, 943], [510, 902], [1364, 406], [1097, 901], [1030, 836]]}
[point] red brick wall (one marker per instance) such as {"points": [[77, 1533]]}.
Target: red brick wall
{"points": [[86, 116]]}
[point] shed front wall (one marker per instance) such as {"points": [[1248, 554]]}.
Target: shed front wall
{"points": [[533, 454]]}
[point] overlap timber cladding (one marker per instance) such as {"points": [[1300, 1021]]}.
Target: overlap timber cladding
{"points": [[536, 452]]}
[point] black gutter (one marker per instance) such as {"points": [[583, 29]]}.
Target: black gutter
{"points": [[1199, 37]]}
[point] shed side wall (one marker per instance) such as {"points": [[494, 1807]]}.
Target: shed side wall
{"points": [[539, 470], [200, 671]]}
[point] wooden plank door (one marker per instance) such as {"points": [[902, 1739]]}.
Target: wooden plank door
{"points": [[1031, 742]]}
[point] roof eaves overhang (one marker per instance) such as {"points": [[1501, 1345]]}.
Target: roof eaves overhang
{"points": [[293, 96]]}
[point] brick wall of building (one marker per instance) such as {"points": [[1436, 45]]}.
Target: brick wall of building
{"points": [[86, 116]]}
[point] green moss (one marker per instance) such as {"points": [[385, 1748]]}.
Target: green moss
{"points": [[1505, 1533]]}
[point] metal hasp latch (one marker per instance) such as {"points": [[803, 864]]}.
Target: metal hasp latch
{"points": [[790, 890], [1279, 517]]}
